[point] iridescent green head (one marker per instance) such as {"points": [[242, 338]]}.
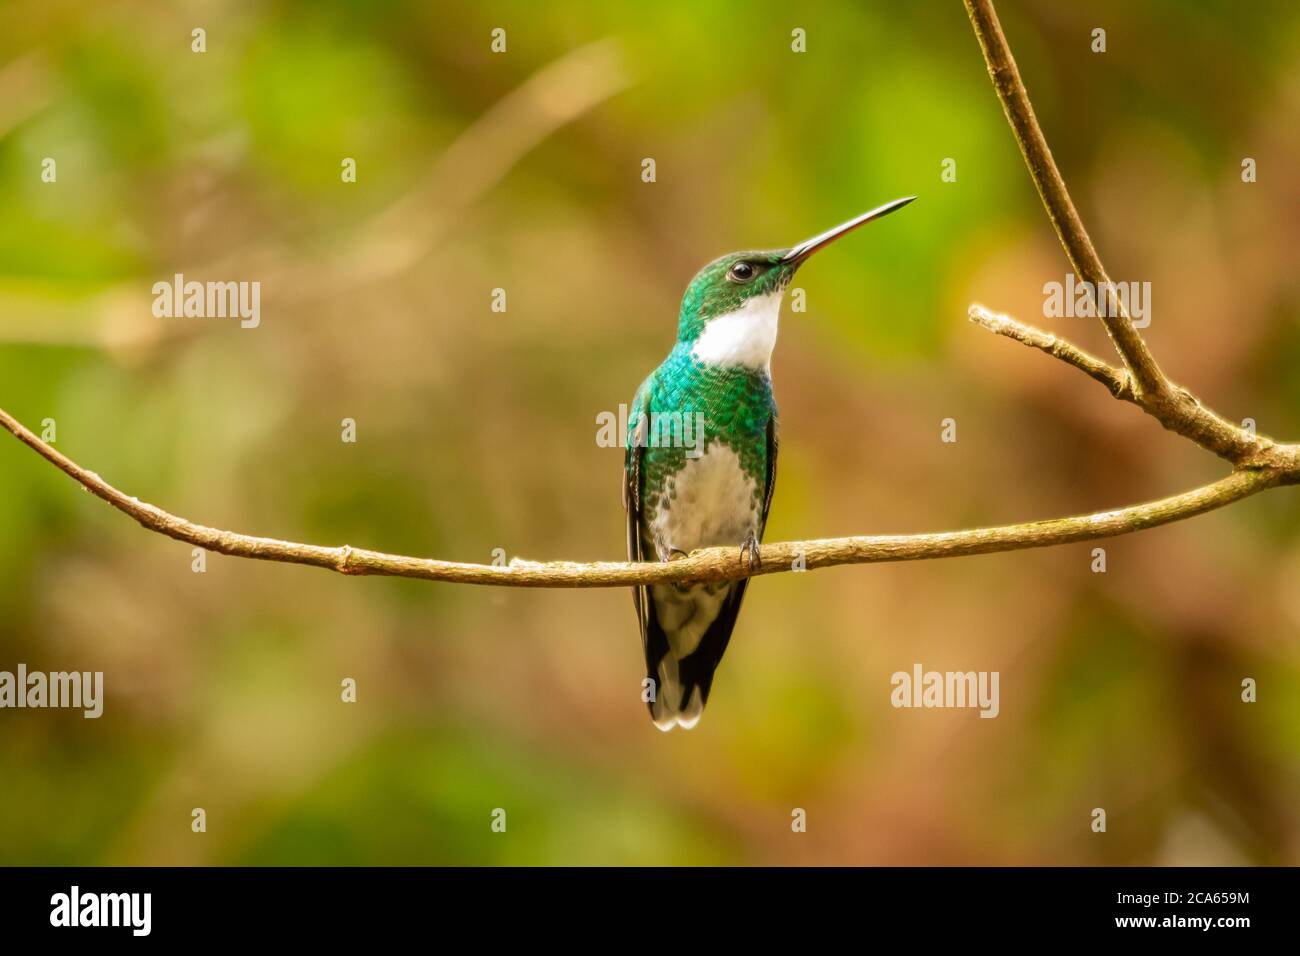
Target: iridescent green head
{"points": [[729, 309]]}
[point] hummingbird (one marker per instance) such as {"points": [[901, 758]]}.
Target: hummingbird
{"points": [[707, 480]]}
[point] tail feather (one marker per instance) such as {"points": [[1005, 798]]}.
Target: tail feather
{"points": [[678, 701], [681, 666]]}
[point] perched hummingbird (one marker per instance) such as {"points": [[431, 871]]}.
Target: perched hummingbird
{"points": [[711, 485]]}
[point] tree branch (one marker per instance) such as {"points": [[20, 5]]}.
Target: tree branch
{"points": [[1176, 408], [1051, 189], [1259, 462], [712, 564]]}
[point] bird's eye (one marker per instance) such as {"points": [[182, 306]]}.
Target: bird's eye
{"points": [[741, 272]]}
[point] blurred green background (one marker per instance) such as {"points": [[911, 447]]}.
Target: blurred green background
{"points": [[476, 430]]}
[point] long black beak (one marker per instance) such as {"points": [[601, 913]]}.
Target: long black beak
{"points": [[806, 248]]}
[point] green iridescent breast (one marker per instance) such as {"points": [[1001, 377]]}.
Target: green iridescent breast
{"points": [[685, 406]]}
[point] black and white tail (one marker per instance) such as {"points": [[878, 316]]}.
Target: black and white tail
{"points": [[686, 634]]}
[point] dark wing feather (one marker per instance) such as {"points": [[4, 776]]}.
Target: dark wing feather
{"points": [[653, 640], [632, 505], [773, 439]]}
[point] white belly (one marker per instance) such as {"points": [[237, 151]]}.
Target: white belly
{"points": [[711, 502]]}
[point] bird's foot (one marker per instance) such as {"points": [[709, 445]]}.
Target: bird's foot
{"points": [[749, 551]]}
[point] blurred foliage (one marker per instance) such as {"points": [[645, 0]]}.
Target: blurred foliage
{"points": [[476, 431]]}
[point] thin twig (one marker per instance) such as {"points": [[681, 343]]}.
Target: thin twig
{"points": [[1117, 380]]}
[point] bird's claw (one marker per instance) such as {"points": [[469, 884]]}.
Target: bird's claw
{"points": [[749, 551]]}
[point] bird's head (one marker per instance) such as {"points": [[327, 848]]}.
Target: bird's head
{"points": [[729, 311]]}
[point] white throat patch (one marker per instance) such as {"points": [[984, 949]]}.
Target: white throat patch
{"points": [[743, 337]]}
